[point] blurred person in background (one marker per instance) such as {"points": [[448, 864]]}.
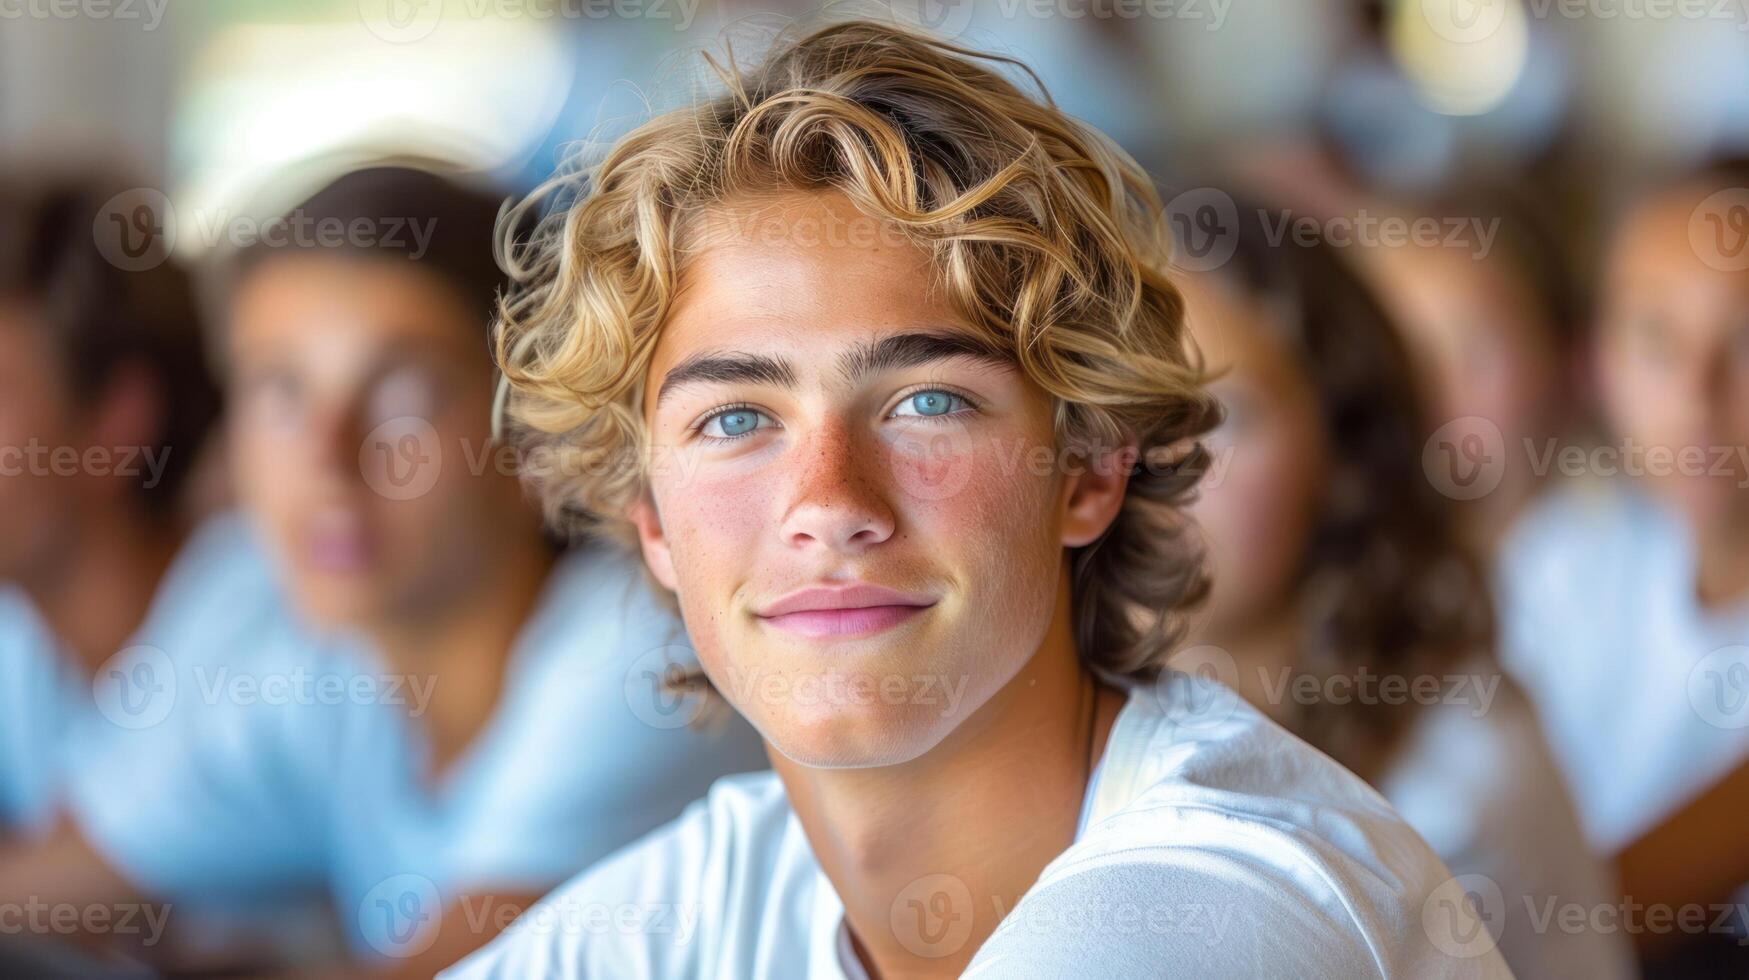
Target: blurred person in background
{"points": [[105, 405], [1338, 573], [1626, 594], [1486, 311], [466, 717]]}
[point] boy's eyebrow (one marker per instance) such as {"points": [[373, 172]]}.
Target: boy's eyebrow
{"points": [[886, 354]]}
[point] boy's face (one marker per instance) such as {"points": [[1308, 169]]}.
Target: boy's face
{"points": [[361, 414], [1673, 358], [852, 452]]}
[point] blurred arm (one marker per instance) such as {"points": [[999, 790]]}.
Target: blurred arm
{"points": [[1698, 855]]}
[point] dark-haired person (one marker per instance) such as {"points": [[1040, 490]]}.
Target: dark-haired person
{"points": [[470, 714], [1627, 594], [1345, 608], [105, 405], [895, 334]]}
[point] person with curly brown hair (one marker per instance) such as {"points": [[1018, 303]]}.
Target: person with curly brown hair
{"points": [[1345, 606]]}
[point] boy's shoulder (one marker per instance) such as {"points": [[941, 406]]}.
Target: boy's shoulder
{"points": [[684, 900]]}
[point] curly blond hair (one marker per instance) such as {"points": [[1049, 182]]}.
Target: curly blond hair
{"points": [[1046, 236]]}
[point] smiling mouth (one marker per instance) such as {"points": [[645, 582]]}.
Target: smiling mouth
{"points": [[862, 621]]}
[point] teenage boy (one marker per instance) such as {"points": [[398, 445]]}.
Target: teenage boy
{"points": [[890, 337]]}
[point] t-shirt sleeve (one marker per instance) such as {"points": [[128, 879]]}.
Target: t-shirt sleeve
{"points": [[634, 915]]}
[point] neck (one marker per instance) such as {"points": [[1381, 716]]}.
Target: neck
{"points": [[1722, 575], [987, 808], [464, 641], [95, 590]]}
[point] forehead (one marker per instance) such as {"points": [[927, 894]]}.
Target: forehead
{"points": [[798, 274], [313, 300]]}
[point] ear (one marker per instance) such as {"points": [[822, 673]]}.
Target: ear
{"points": [[1094, 495], [653, 541]]}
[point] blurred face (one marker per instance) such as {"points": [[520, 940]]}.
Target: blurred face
{"points": [[361, 411], [1472, 326], [1673, 360], [1262, 499], [37, 507], [840, 493]]}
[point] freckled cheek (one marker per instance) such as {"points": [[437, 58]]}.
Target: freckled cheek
{"points": [[996, 525], [714, 524]]}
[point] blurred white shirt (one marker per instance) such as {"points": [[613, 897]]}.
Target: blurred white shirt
{"points": [[37, 694], [1481, 787], [282, 767], [1643, 693], [1212, 844], [215, 596]]}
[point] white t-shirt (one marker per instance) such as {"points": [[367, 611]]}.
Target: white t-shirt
{"points": [[1211, 844], [288, 767], [37, 695], [1643, 693], [1478, 783], [216, 595]]}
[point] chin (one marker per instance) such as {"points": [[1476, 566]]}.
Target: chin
{"points": [[856, 736]]}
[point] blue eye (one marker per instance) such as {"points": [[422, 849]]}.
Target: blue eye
{"points": [[733, 423], [932, 403]]}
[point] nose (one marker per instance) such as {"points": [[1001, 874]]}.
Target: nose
{"points": [[839, 500]]}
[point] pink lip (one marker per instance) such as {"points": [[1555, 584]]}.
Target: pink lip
{"points": [[855, 610]]}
